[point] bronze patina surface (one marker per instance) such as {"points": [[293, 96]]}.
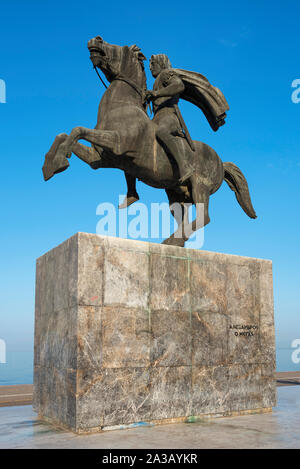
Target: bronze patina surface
{"points": [[159, 152]]}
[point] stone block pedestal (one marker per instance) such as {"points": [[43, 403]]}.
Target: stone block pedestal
{"points": [[129, 332]]}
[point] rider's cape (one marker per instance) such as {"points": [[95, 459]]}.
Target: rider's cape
{"points": [[207, 97]]}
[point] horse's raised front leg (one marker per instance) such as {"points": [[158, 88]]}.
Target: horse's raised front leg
{"points": [[107, 139], [48, 164], [87, 154]]}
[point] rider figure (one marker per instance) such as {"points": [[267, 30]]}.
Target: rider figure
{"points": [[165, 96]]}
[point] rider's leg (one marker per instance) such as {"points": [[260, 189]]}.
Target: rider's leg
{"points": [[132, 195], [170, 142]]}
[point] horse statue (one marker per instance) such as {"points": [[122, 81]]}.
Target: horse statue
{"points": [[124, 138]]}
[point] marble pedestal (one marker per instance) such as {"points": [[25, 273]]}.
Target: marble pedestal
{"points": [[129, 332]]}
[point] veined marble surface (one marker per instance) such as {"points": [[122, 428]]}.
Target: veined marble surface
{"points": [[127, 331]]}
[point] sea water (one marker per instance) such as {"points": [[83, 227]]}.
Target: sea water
{"points": [[18, 368]]}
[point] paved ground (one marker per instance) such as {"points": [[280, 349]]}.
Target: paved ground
{"points": [[15, 395], [288, 378], [19, 428], [22, 395]]}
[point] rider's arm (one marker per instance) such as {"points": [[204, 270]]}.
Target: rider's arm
{"points": [[172, 85]]}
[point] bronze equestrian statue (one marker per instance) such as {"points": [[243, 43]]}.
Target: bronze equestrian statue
{"points": [[158, 152]]}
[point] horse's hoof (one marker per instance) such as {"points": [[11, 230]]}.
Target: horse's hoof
{"points": [[47, 172], [60, 163], [179, 242], [62, 167]]}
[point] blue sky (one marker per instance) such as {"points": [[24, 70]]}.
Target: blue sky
{"points": [[249, 49]]}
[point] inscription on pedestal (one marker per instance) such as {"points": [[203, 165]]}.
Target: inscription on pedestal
{"points": [[244, 330]]}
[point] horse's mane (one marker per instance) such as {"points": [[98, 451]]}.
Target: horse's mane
{"points": [[140, 57], [138, 54]]}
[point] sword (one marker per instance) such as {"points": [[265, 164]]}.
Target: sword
{"points": [[184, 127]]}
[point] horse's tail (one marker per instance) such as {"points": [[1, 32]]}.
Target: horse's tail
{"points": [[237, 183]]}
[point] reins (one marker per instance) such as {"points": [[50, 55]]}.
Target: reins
{"points": [[126, 80], [130, 83], [100, 77]]}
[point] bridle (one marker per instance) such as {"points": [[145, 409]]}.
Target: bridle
{"points": [[131, 83]]}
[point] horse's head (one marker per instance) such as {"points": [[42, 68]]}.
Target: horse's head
{"points": [[116, 60]]}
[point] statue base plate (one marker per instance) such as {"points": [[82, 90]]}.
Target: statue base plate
{"points": [[132, 333]]}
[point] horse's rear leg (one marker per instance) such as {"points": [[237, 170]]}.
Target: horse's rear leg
{"points": [[201, 200], [179, 211], [186, 228]]}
